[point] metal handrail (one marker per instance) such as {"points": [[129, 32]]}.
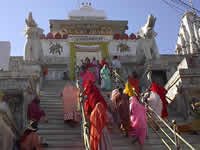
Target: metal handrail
{"points": [[177, 136], [85, 124]]}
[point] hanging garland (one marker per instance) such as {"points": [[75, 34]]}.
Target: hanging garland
{"points": [[103, 47]]}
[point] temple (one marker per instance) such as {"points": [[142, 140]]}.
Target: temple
{"points": [[87, 32]]}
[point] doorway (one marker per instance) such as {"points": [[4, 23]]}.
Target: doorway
{"points": [[81, 54]]}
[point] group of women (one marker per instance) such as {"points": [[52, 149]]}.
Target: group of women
{"points": [[129, 114], [101, 72], [125, 107]]}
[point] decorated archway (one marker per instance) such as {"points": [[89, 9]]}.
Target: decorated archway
{"points": [[104, 52]]}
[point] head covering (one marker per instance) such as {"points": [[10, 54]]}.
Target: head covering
{"points": [[31, 128], [162, 93], [138, 119], [98, 120], [93, 97], [33, 125], [129, 90]]}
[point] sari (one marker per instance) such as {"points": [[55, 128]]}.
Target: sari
{"points": [[34, 112], [138, 120], [155, 103], [93, 97], [129, 90], [161, 92], [70, 101], [106, 80], [30, 141], [134, 82], [99, 135], [86, 76], [97, 73], [120, 109]]}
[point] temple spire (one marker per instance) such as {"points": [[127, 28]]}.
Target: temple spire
{"points": [[192, 7]]}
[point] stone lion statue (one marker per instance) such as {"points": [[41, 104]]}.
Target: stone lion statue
{"points": [[33, 49], [147, 41]]}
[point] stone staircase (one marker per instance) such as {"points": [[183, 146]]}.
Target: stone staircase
{"points": [[61, 137], [153, 141], [120, 142], [58, 135]]}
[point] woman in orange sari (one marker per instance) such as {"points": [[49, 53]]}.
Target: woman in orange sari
{"points": [[99, 134]]}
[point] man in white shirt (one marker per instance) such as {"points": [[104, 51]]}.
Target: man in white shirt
{"points": [[116, 64]]}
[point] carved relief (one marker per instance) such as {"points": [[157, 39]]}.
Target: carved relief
{"points": [[55, 48], [89, 29]]}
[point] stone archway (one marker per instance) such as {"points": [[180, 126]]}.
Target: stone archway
{"points": [[82, 53], [103, 47]]}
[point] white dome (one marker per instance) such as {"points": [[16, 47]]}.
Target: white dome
{"points": [[86, 12]]}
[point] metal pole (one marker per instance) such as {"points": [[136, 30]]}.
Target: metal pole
{"points": [[175, 136]]}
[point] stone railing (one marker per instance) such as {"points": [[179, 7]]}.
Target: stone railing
{"points": [[187, 78], [56, 60]]}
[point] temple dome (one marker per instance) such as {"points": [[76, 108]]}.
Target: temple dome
{"points": [[86, 12]]}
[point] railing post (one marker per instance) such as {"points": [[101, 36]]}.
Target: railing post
{"points": [[177, 141]]}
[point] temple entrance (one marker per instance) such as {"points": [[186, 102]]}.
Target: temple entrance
{"points": [[82, 53]]}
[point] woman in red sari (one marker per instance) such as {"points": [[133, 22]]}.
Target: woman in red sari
{"points": [[93, 97], [34, 112], [99, 133], [161, 92]]}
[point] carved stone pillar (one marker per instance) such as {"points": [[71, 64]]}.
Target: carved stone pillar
{"points": [[195, 26], [186, 37]]}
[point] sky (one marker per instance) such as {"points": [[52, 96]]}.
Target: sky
{"points": [[14, 12]]}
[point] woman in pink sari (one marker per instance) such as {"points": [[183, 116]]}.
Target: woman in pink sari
{"points": [[138, 121], [70, 101]]}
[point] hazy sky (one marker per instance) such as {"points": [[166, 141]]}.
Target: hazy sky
{"points": [[14, 12]]}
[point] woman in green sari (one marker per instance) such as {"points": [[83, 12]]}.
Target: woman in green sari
{"points": [[106, 80]]}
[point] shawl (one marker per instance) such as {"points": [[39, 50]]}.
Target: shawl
{"points": [[87, 76], [134, 82], [98, 120], [104, 63], [34, 111], [93, 97], [161, 92], [129, 90], [138, 120]]}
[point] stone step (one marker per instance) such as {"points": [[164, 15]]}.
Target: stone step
{"points": [[68, 143], [60, 117], [65, 148], [56, 121], [56, 113], [59, 132], [47, 95], [51, 106], [63, 137], [46, 126], [53, 109], [50, 99], [43, 103]]}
